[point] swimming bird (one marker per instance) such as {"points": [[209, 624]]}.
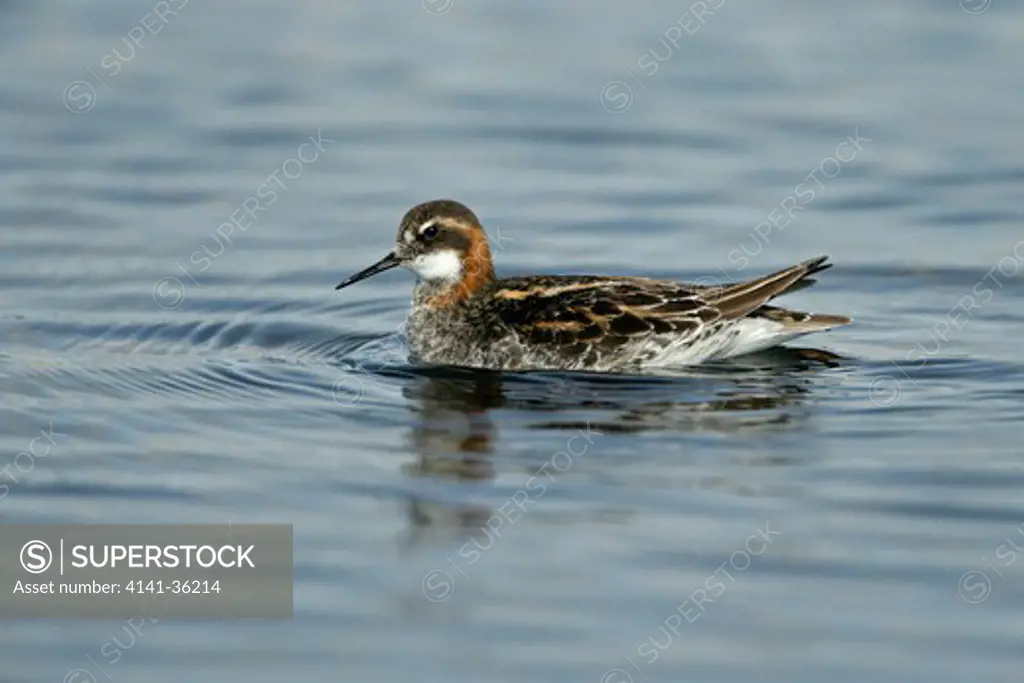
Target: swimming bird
{"points": [[463, 314]]}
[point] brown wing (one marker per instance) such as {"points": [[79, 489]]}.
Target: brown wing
{"points": [[604, 311], [741, 299], [600, 311]]}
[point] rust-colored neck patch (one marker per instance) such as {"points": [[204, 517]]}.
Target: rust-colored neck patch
{"points": [[477, 271]]}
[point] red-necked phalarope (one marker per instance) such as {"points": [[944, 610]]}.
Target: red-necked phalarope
{"points": [[463, 315]]}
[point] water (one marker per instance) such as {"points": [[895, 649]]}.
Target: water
{"points": [[791, 518]]}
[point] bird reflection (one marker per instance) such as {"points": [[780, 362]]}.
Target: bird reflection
{"points": [[456, 439], [453, 436]]}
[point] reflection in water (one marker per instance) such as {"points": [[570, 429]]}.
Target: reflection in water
{"points": [[453, 432], [456, 439], [453, 436]]}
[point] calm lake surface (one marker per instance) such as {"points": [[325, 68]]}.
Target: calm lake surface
{"points": [[790, 518]]}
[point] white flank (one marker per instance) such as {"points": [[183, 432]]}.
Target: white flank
{"points": [[437, 265], [746, 336]]}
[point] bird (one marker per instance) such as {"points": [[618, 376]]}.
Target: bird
{"points": [[462, 314]]}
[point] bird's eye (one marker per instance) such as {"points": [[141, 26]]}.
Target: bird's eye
{"points": [[429, 232]]}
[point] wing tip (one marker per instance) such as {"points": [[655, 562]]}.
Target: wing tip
{"points": [[816, 265], [744, 298]]}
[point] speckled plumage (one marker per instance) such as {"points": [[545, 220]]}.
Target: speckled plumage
{"points": [[463, 315]]}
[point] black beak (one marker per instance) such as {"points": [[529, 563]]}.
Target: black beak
{"points": [[387, 263]]}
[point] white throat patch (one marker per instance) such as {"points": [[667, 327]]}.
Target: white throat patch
{"points": [[438, 265]]}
